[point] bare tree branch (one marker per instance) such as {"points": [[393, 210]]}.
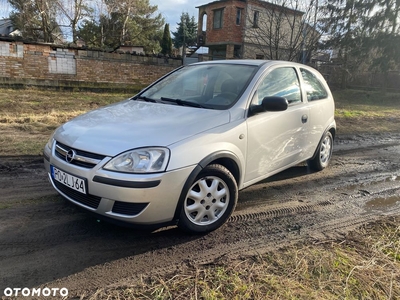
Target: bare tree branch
{"points": [[284, 31]]}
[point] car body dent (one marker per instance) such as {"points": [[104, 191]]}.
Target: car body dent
{"points": [[226, 137]]}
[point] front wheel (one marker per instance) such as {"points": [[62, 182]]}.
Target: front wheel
{"points": [[210, 200], [324, 153]]}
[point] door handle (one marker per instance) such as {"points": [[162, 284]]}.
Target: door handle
{"points": [[304, 119]]}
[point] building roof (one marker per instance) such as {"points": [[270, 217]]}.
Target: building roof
{"points": [[6, 26], [261, 2]]}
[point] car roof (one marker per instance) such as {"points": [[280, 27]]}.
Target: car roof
{"points": [[261, 64], [252, 62]]}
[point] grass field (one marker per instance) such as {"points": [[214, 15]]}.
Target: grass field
{"points": [[28, 117], [360, 111]]}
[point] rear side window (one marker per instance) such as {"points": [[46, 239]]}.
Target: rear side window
{"points": [[282, 82], [315, 90]]}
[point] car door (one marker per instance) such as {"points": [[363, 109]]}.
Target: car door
{"points": [[321, 107], [276, 139]]}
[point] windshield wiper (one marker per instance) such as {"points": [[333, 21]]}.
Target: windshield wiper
{"points": [[182, 102], [147, 99]]}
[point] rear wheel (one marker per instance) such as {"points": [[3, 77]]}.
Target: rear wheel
{"points": [[209, 201], [324, 153]]}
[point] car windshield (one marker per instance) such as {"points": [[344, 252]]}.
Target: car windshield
{"points": [[214, 86]]}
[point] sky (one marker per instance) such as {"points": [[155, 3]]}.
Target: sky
{"points": [[173, 9], [4, 9], [170, 9]]}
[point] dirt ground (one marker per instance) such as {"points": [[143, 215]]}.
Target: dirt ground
{"points": [[47, 242]]}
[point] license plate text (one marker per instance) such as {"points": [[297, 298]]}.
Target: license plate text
{"points": [[71, 181]]}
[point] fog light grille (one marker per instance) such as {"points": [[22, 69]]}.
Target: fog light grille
{"points": [[129, 209]]}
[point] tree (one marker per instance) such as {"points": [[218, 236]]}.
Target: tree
{"points": [[74, 11], [284, 30], [134, 22], [384, 34], [364, 34], [36, 19], [128, 22], [90, 32], [186, 34], [166, 43], [343, 24]]}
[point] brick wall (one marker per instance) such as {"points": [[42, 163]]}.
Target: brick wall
{"points": [[46, 65]]}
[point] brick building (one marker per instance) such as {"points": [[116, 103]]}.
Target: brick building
{"points": [[252, 29]]}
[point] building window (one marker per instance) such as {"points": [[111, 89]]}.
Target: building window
{"points": [[238, 16], [218, 18], [255, 18]]}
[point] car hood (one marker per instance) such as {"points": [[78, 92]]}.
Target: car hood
{"points": [[132, 124]]}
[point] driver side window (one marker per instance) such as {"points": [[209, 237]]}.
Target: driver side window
{"points": [[281, 82]]}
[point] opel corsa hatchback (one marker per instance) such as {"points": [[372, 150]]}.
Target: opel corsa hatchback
{"points": [[179, 151]]}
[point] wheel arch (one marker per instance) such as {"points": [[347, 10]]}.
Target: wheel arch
{"points": [[224, 158], [332, 130]]}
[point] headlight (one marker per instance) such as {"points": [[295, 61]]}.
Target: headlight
{"points": [[49, 144], [144, 160]]}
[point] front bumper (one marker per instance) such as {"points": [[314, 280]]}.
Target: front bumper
{"points": [[142, 199]]}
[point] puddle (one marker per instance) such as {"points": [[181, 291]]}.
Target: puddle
{"points": [[382, 204], [394, 178], [356, 187]]}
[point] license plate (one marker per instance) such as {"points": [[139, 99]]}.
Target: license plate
{"points": [[71, 181]]}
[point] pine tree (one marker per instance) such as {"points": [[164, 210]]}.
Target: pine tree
{"points": [[166, 43], [36, 19], [384, 34], [365, 33], [127, 22], [186, 34], [344, 25]]}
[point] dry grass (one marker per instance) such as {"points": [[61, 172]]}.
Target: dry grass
{"points": [[364, 265], [360, 111], [29, 116]]}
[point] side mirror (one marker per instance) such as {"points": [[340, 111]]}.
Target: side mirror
{"points": [[272, 103], [275, 103]]}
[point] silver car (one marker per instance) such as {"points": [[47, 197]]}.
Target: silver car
{"points": [[180, 150]]}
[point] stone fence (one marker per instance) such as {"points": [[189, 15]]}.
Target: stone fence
{"points": [[36, 64]]}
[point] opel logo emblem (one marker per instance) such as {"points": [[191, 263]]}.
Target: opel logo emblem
{"points": [[69, 157]]}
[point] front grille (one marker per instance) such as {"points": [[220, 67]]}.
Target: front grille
{"points": [[85, 199], [83, 158], [129, 209]]}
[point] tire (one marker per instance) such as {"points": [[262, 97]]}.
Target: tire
{"points": [[210, 200], [323, 154]]}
